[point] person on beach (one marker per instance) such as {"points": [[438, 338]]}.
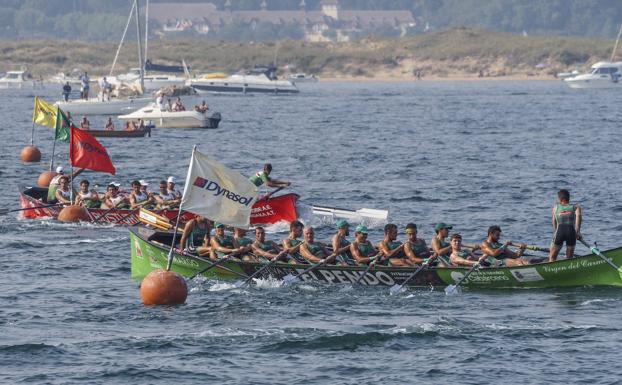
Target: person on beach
{"points": [[566, 219]]}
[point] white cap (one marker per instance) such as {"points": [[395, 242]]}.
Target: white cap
{"points": [[117, 184], [143, 182], [59, 169], [171, 179]]}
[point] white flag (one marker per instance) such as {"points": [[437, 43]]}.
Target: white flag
{"points": [[218, 193]]}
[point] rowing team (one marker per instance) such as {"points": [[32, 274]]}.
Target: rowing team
{"points": [[168, 197], [390, 252]]}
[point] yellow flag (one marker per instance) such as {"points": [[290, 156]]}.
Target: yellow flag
{"points": [[44, 113]]}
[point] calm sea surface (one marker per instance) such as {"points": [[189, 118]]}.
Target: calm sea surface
{"points": [[471, 154]]}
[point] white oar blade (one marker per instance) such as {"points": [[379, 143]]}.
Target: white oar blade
{"points": [[239, 284], [373, 213], [289, 279], [396, 289], [452, 289]]}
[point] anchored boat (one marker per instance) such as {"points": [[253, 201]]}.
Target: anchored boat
{"points": [[149, 251], [174, 119]]}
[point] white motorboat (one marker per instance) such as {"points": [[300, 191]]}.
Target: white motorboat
{"points": [[603, 75], [18, 80], [302, 78], [151, 82], [257, 80], [97, 106], [162, 118]]}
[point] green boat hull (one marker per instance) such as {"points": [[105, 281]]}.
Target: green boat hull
{"points": [[589, 270]]}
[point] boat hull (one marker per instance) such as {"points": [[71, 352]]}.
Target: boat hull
{"points": [[97, 107], [178, 119], [121, 134], [147, 254]]}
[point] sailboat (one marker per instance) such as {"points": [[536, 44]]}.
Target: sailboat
{"points": [[113, 105]]}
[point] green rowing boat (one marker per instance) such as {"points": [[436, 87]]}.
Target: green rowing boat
{"points": [[149, 250]]}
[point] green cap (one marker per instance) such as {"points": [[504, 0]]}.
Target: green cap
{"points": [[217, 225], [361, 229], [440, 226], [342, 223]]}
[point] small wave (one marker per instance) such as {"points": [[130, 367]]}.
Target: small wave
{"points": [[31, 348], [220, 286], [591, 301], [267, 283]]}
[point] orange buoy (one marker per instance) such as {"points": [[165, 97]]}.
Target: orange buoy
{"points": [[30, 154], [45, 178], [162, 287], [73, 213]]}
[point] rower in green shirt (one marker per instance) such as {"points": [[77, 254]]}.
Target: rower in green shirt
{"points": [[566, 224], [341, 246], [263, 177], [245, 244], [392, 249]]}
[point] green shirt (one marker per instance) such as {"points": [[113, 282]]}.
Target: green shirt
{"points": [[259, 178], [243, 241], [226, 241], [565, 214]]}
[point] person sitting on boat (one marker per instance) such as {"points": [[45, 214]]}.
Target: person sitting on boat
{"points": [[85, 124], [292, 243], [315, 252], [203, 108], [66, 91], [55, 182], [86, 198], [263, 176], [63, 193], [139, 198], [165, 199], [392, 249], [415, 248], [440, 246], [341, 246], [224, 245], [114, 198], [178, 106], [566, 218], [266, 249], [361, 249], [171, 187], [196, 237], [498, 253], [109, 125], [144, 186], [246, 244], [460, 256], [141, 125], [130, 126]]}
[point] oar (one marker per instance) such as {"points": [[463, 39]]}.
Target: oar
{"points": [[452, 288], [290, 278], [532, 247], [96, 220], [395, 289], [596, 251], [345, 213], [215, 264], [267, 196], [6, 211], [255, 274], [120, 221], [377, 258]]}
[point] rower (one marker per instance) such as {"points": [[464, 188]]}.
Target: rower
{"points": [[460, 256], [440, 246], [109, 125], [315, 252], [393, 250], [196, 237], [246, 244], [113, 198], [171, 187], [415, 248], [63, 193], [498, 254], [361, 249], [138, 198], [566, 220], [292, 243], [86, 198], [164, 199], [223, 244], [341, 246], [85, 124], [266, 249], [54, 183], [263, 176]]}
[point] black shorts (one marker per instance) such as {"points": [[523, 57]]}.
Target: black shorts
{"points": [[565, 233]]}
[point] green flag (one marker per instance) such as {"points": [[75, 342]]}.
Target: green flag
{"points": [[62, 126]]}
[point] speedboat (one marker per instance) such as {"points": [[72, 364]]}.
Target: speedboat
{"points": [[18, 80], [603, 75], [257, 80], [151, 82], [302, 78], [162, 118], [97, 106]]}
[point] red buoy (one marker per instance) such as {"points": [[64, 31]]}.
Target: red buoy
{"points": [[30, 154], [73, 213], [162, 287], [45, 178]]}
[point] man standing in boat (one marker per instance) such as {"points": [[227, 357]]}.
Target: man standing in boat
{"points": [[566, 225], [263, 176]]}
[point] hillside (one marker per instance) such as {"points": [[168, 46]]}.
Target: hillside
{"points": [[455, 53]]}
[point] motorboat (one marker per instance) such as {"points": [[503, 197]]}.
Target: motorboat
{"points": [[18, 80], [97, 106], [151, 82], [257, 80], [302, 78], [604, 74], [163, 118]]}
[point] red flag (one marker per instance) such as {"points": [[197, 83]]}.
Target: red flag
{"points": [[86, 152]]}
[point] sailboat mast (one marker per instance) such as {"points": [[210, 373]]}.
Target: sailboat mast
{"points": [[141, 63], [116, 56], [615, 47], [146, 27]]}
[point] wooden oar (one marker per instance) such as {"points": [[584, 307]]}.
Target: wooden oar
{"points": [[255, 274], [596, 251], [290, 278], [96, 220], [267, 196], [119, 221], [6, 211], [215, 264], [451, 289], [532, 247], [395, 289], [377, 258]]}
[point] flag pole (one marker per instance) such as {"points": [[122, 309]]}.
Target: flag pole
{"points": [[171, 256], [53, 149]]}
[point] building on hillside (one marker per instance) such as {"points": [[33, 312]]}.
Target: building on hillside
{"points": [[331, 22]]}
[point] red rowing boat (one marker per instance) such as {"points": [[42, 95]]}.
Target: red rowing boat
{"points": [[265, 211]]}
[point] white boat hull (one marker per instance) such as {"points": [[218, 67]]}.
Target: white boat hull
{"points": [[243, 85], [179, 119], [592, 83], [98, 107]]}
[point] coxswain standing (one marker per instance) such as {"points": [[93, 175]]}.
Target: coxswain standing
{"points": [[566, 218], [263, 177]]}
